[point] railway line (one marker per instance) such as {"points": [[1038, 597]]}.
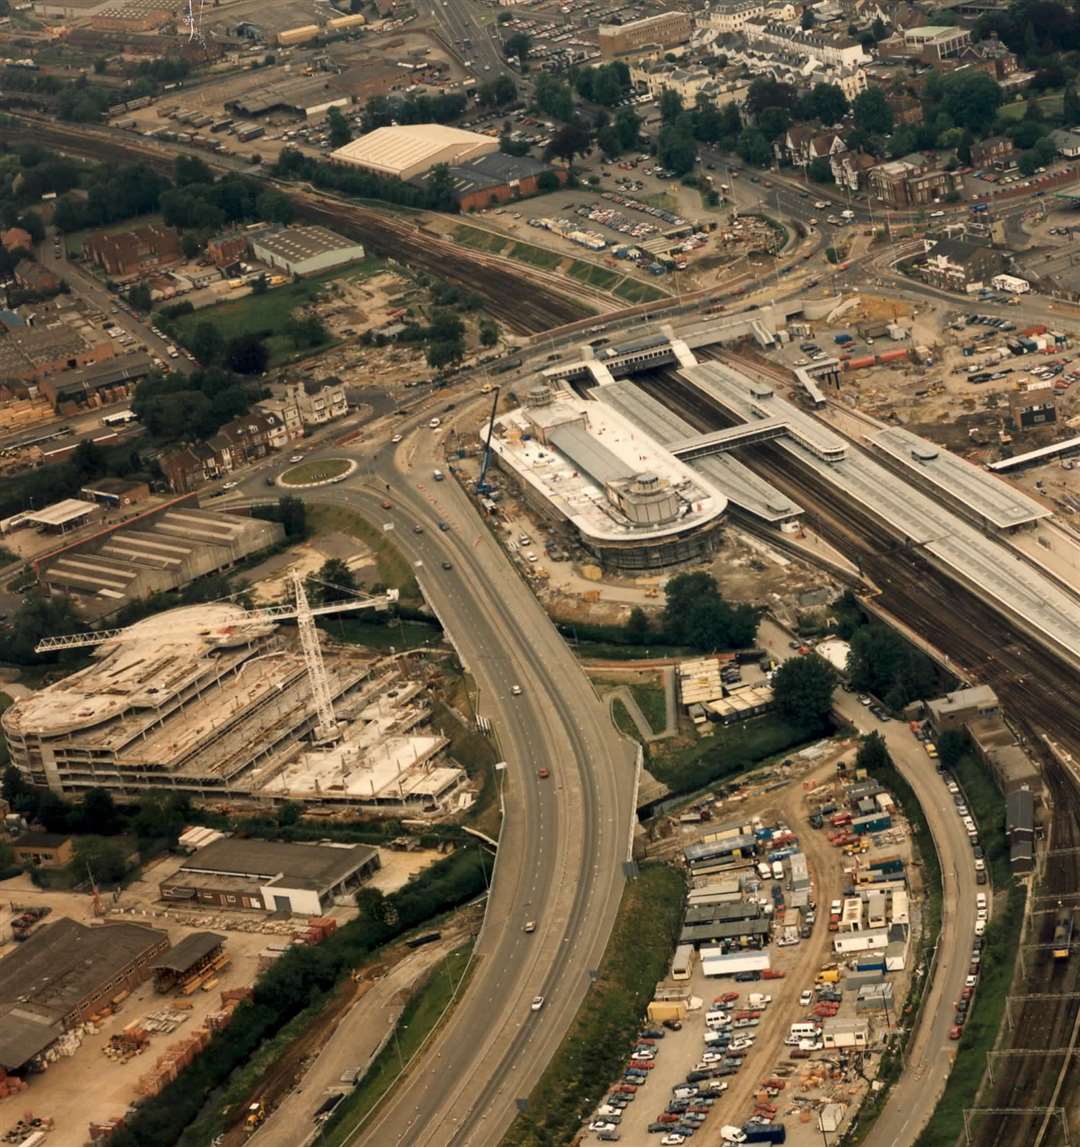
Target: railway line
{"points": [[1037, 690], [513, 293]]}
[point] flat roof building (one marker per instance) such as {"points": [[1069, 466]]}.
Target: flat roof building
{"points": [[304, 250], [63, 973], [408, 150], [664, 30], [43, 849], [272, 876], [955, 709], [581, 464]]}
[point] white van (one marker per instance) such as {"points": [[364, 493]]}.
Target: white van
{"points": [[435, 423], [777, 870], [438, 475], [801, 1031], [764, 871], [980, 899]]}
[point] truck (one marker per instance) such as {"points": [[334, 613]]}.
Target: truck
{"points": [[886, 864], [765, 1133], [872, 822]]}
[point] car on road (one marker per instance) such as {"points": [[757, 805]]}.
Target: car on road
{"points": [[980, 927], [530, 926], [931, 750], [296, 458], [656, 1128], [956, 1031], [443, 526], [806, 998], [537, 1004], [515, 690], [229, 485], [418, 529], [447, 565], [387, 505], [864, 700], [602, 1125], [396, 439], [970, 981], [543, 774]]}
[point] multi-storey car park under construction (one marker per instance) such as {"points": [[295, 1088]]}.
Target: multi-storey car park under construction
{"points": [[217, 700]]}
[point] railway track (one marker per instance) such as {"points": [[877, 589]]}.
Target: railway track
{"points": [[513, 294], [1035, 687]]}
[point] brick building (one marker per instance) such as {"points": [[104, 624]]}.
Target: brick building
{"points": [[128, 252], [224, 250], [16, 239], [34, 277], [994, 149], [911, 182], [664, 30], [43, 849]]}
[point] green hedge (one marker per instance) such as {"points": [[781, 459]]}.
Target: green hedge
{"points": [[590, 1058]]}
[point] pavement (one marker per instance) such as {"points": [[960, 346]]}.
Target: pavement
{"points": [[565, 840]]}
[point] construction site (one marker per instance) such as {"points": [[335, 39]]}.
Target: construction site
{"points": [[172, 702]]}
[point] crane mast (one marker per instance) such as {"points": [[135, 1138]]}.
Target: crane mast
{"points": [[326, 730]]}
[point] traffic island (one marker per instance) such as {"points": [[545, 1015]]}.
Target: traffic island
{"points": [[317, 472]]}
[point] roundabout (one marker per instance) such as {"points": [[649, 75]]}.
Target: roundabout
{"points": [[316, 472]]}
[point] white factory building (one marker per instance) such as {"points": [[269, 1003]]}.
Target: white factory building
{"points": [[408, 150], [581, 464], [304, 250]]}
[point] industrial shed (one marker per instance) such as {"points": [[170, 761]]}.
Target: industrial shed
{"points": [[62, 974], [411, 149], [184, 961], [304, 250], [273, 876]]}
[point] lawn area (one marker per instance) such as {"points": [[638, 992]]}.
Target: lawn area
{"points": [[635, 291], [317, 470], [394, 569], [652, 702], [984, 799], [591, 1056], [1052, 105], [267, 314], [729, 751], [480, 240], [418, 1020], [536, 256], [592, 275], [395, 633], [623, 721]]}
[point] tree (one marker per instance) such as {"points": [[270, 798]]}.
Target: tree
{"points": [[497, 92], [695, 614], [191, 169], [671, 105], [274, 207], [873, 753], [139, 297], [970, 99], [104, 860], [247, 354], [98, 813], [554, 98], [872, 112], [489, 332], [38, 616], [444, 353], [820, 170], [306, 331], [571, 139], [765, 92], [637, 630], [517, 46], [773, 122], [881, 662], [754, 148], [333, 581], [676, 148], [207, 343], [827, 103], [13, 786], [161, 818], [951, 746], [1071, 107], [338, 125], [807, 19], [260, 284], [627, 125], [546, 182], [1027, 163], [803, 689]]}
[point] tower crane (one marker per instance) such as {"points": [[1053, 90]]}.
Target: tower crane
{"points": [[228, 628]]}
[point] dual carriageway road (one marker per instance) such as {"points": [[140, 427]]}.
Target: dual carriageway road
{"points": [[565, 840]]}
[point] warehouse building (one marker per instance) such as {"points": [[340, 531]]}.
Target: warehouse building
{"points": [[164, 549], [408, 150], [664, 30], [494, 178], [304, 250], [734, 933], [188, 960], [64, 973], [271, 876]]}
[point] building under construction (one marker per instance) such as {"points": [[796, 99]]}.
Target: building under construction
{"points": [[216, 700]]}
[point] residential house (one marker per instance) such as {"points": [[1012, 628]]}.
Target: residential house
{"points": [[16, 239], [129, 252], [186, 468], [319, 402], [285, 408], [249, 437], [1067, 143], [991, 56], [833, 48], [911, 182], [34, 277], [728, 16], [851, 168], [958, 266], [993, 149], [803, 144]]}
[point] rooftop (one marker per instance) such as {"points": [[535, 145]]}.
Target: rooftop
{"points": [[61, 964], [975, 697], [184, 956], [313, 866], [297, 243], [403, 147], [61, 513], [989, 497], [590, 446]]}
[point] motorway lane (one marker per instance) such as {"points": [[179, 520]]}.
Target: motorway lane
{"points": [[564, 839]]}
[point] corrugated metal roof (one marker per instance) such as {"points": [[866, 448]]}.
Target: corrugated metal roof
{"points": [[589, 454]]}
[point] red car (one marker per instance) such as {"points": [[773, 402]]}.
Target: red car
{"points": [[966, 994], [955, 1031], [625, 1088], [726, 998], [642, 1064], [772, 974], [667, 1117], [543, 774], [388, 505]]}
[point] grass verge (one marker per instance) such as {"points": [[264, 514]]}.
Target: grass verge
{"points": [[635, 291], [418, 1020], [652, 701], [946, 1126], [592, 275], [394, 633], [591, 1055], [984, 801], [394, 569], [727, 752], [480, 240], [316, 470], [536, 256], [623, 721]]}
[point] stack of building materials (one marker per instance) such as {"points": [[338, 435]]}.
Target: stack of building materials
{"points": [[173, 1061], [318, 928], [10, 1084], [699, 680], [105, 1128], [123, 1045]]}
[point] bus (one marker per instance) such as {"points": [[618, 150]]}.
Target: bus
{"points": [[120, 418]]}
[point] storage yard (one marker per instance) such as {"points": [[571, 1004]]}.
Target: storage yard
{"points": [[800, 934]]}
